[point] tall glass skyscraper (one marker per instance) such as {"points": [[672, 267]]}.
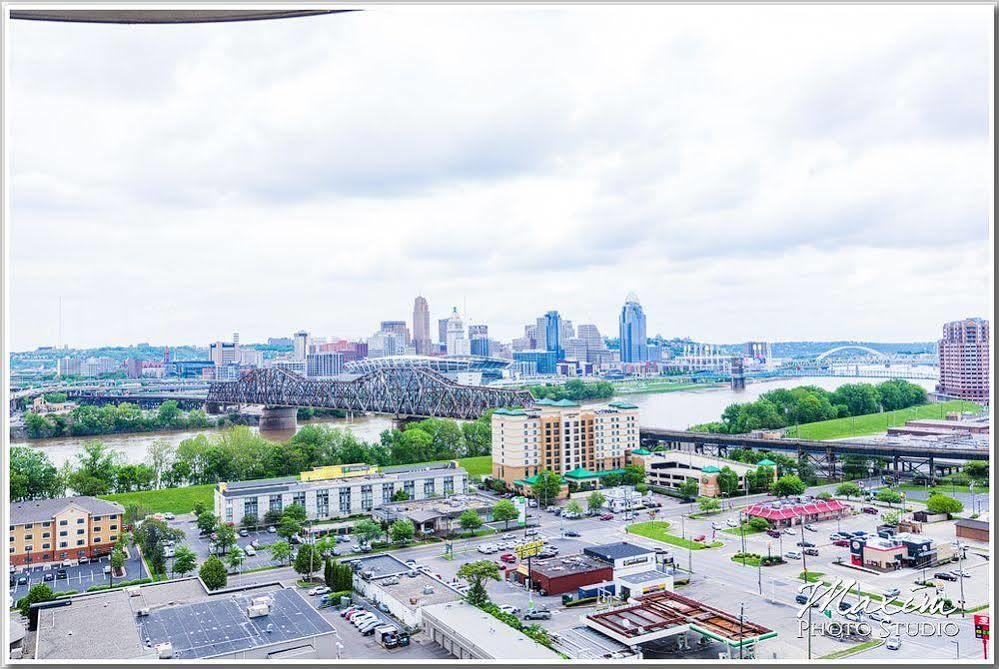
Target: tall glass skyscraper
{"points": [[634, 347], [553, 334]]}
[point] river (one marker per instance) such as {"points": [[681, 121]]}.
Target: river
{"points": [[679, 409]]}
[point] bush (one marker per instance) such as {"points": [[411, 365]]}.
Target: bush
{"points": [[98, 588], [213, 573], [66, 593], [581, 602], [335, 596]]}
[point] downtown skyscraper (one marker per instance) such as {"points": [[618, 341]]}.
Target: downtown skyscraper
{"points": [[421, 326], [634, 347]]}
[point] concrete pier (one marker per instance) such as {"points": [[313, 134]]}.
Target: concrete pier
{"points": [[279, 418]]}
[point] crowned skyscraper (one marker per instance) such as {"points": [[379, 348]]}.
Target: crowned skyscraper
{"points": [[633, 341], [421, 326]]}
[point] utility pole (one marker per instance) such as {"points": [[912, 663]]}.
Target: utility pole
{"points": [[960, 566], [804, 571], [742, 607]]}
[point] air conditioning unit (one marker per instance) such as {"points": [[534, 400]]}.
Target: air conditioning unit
{"points": [[133, 591], [257, 610], [428, 590], [262, 599], [144, 611], [164, 650]]}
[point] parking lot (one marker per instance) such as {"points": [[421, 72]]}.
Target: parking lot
{"points": [[78, 577], [199, 544]]}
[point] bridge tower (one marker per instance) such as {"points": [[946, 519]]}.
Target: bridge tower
{"points": [[738, 373]]}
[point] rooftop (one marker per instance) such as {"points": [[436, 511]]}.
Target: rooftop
{"points": [[490, 638], [972, 524], [616, 551], [288, 483], [567, 565], [37, 510], [382, 565], [412, 591], [645, 576]]}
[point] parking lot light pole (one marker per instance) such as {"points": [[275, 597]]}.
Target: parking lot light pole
{"points": [[960, 579]]}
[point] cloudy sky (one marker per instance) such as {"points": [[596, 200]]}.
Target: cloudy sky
{"points": [[761, 172]]}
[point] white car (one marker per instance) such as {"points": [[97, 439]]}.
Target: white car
{"points": [[363, 619], [789, 531], [716, 526], [322, 590], [893, 643], [512, 610], [731, 523], [487, 549], [879, 617], [250, 550], [272, 529], [792, 555], [169, 516]]}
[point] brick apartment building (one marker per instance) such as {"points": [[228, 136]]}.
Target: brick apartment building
{"points": [[66, 528], [964, 360]]}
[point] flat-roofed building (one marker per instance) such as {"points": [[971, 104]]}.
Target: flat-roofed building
{"points": [[470, 633], [338, 491], [561, 436], [673, 468], [975, 530], [964, 360], [64, 528]]}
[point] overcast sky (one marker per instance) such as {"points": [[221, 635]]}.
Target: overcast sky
{"points": [[764, 172]]}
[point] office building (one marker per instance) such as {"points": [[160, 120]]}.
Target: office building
{"points": [[222, 352], [456, 342], [68, 366], [398, 327], [421, 326], [45, 531], [562, 437], [279, 342], [289, 365], [575, 349], [301, 345], [671, 469], [249, 357], [632, 331], [478, 339], [324, 364], [545, 362], [337, 491], [964, 360], [442, 332], [384, 344], [133, 368], [551, 334], [92, 367]]}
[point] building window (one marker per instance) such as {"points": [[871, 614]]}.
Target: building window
{"points": [[64, 522], [63, 533], [46, 535], [45, 547], [366, 501], [80, 542], [63, 544], [344, 500], [28, 526], [275, 503], [323, 503], [298, 498], [449, 486], [79, 521], [113, 527], [113, 538], [428, 487], [410, 488], [250, 506], [96, 518], [28, 549], [28, 537], [79, 531], [388, 489]]}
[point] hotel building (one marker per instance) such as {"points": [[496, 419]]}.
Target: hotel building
{"points": [[964, 360], [43, 531], [562, 437]]}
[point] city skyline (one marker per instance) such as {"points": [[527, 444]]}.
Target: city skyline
{"points": [[537, 193]]}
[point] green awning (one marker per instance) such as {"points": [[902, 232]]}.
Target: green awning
{"points": [[711, 469], [623, 405], [641, 451], [581, 473], [766, 463]]}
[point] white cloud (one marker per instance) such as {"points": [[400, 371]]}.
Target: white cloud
{"points": [[753, 172]]}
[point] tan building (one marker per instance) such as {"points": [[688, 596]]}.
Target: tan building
{"points": [[66, 528], [671, 469], [562, 437]]}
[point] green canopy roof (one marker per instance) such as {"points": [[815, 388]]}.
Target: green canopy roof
{"points": [[710, 469], [510, 412], [641, 451], [556, 403], [530, 481], [581, 473], [766, 463], [623, 405]]}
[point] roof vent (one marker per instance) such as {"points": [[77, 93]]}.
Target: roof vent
{"points": [[164, 650]]}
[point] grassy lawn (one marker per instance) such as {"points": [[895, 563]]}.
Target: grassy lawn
{"points": [[661, 387], [813, 576], [876, 423], [657, 530], [946, 488], [172, 500], [747, 560], [746, 530], [853, 650]]}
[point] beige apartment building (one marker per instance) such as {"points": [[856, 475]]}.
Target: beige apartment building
{"points": [[563, 437], [66, 528]]}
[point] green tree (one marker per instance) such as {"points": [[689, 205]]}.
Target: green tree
{"points": [[708, 504], [250, 521], [848, 490], [97, 470], [38, 593], [469, 520], [891, 517], [633, 475], [595, 501], [400, 495], [296, 512], [213, 573], [759, 524], [281, 552], [225, 537], [272, 517], [546, 487], [573, 507], [307, 560], [32, 475], [977, 471], [689, 489], [402, 531], [788, 486], [367, 531], [184, 561], [728, 481], [504, 512], [888, 496], [167, 413], [328, 573], [199, 508], [235, 558], [289, 527], [207, 522], [938, 503], [477, 573], [117, 562], [159, 457]]}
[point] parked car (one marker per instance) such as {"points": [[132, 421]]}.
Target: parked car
{"points": [[893, 643], [508, 557], [48, 577], [716, 526], [255, 543], [853, 617], [871, 510], [107, 569], [962, 574], [841, 542], [891, 594], [775, 534], [731, 523], [322, 590], [859, 533], [700, 537], [22, 580], [272, 529], [811, 551], [805, 544], [85, 560], [352, 607], [551, 509], [570, 533], [801, 599], [788, 531], [538, 614], [607, 516], [532, 532], [792, 555], [879, 617], [61, 573], [243, 532], [169, 516], [508, 608], [811, 528]]}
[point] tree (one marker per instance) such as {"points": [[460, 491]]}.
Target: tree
{"points": [[888, 496], [307, 559], [225, 537], [32, 475], [150, 536], [728, 481], [402, 531], [759, 524], [117, 562], [184, 560], [504, 512], [207, 522], [825, 494], [199, 508], [689, 489], [213, 573], [280, 552], [250, 521], [328, 573], [235, 558], [476, 573], [159, 456], [938, 503], [289, 527], [38, 593], [400, 495], [546, 487], [787, 486], [367, 531], [848, 490], [469, 520], [296, 512], [708, 504], [167, 413], [633, 475], [574, 507], [977, 471], [97, 471], [272, 517], [891, 517], [595, 501]]}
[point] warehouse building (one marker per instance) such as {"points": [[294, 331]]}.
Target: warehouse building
{"points": [[405, 592], [470, 633], [337, 491]]}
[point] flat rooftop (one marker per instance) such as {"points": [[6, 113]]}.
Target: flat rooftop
{"points": [[477, 630], [411, 591], [430, 508], [645, 577], [289, 483], [616, 551], [382, 565], [567, 565]]}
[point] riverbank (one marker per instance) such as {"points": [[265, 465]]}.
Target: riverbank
{"points": [[876, 423]]}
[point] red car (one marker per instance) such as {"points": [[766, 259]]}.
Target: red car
{"points": [[508, 557], [700, 537], [841, 542], [502, 567], [607, 516], [871, 510]]}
